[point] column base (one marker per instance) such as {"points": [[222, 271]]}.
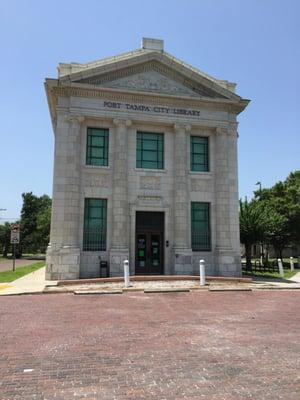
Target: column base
{"points": [[229, 263], [183, 261], [63, 263], [117, 258]]}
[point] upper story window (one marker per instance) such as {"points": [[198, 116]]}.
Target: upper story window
{"points": [[199, 154], [150, 150], [97, 147]]}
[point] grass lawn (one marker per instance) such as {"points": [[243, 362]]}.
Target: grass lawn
{"points": [[287, 274], [9, 276]]}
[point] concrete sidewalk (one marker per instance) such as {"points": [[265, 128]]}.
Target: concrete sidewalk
{"points": [[295, 278], [7, 265], [32, 283], [35, 283]]}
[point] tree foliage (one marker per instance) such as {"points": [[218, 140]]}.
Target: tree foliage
{"points": [[35, 222], [253, 223], [5, 239], [283, 201], [272, 217]]}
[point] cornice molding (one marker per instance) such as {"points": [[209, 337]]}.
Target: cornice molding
{"points": [[80, 90]]}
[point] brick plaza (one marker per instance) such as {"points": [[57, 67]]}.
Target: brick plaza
{"points": [[225, 345]]}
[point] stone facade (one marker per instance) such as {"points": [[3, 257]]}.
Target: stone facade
{"points": [[144, 90]]}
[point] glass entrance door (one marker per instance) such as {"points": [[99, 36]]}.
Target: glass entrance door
{"points": [[148, 253]]}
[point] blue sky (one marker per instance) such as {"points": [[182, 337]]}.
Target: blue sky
{"points": [[253, 43]]}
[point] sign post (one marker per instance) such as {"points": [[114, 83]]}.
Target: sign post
{"points": [[14, 239]]}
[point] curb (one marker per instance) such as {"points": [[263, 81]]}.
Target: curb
{"points": [[229, 289], [166, 290], [90, 292], [147, 278]]}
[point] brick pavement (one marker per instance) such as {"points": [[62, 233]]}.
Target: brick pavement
{"points": [[226, 345]]}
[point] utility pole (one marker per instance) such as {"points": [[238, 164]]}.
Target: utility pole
{"points": [[259, 183], [261, 244]]}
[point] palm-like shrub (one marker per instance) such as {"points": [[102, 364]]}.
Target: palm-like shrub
{"points": [[253, 225]]}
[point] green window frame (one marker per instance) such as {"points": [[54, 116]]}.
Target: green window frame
{"points": [[97, 147], [150, 150], [95, 224], [199, 154], [200, 224]]}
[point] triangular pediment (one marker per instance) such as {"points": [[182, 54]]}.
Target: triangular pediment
{"points": [[152, 76], [148, 71], [152, 81]]}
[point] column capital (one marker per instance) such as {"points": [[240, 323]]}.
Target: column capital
{"points": [[119, 122], [231, 130], [182, 127], [221, 131], [75, 119]]}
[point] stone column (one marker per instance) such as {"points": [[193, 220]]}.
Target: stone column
{"points": [[120, 230], [182, 224], [63, 252], [227, 208]]}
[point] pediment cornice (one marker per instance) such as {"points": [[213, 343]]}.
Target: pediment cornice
{"points": [[166, 65], [131, 76]]}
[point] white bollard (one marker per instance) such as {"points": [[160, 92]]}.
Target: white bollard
{"points": [[292, 263], [126, 273], [280, 267], [202, 272]]}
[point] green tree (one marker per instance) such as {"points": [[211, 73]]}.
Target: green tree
{"points": [[43, 227], [35, 222], [253, 225], [283, 203], [5, 239]]}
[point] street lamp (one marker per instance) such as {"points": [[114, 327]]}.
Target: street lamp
{"points": [[261, 244]]}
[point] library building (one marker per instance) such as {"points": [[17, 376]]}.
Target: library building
{"points": [[145, 168]]}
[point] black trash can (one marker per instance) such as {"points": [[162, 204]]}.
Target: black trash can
{"points": [[104, 269]]}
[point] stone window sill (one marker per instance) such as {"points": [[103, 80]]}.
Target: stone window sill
{"points": [[152, 171], [201, 173], [97, 167]]}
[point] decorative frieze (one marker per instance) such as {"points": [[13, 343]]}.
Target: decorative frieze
{"points": [[96, 180], [150, 182], [200, 185]]}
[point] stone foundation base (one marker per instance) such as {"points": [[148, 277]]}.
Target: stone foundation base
{"points": [[63, 263], [183, 262], [117, 258], [229, 263]]}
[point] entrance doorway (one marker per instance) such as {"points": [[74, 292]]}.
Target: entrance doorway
{"points": [[149, 253]]}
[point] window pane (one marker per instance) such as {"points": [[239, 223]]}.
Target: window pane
{"points": [[97, 141], [199, 159], [149, 155], [150, 145], [149, 164]]}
